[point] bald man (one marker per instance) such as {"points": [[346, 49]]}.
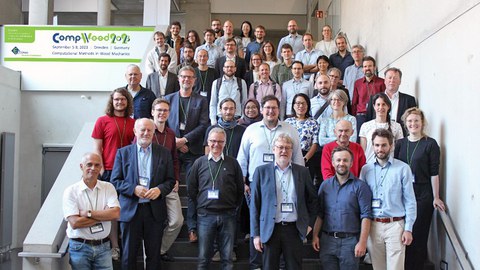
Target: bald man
{"points": [[343, 131], [293, 38], [142, 97]]}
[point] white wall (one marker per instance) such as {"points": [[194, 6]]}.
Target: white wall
{"points": [[435, 45], [259, 7], [10, 122], [49, 117]]}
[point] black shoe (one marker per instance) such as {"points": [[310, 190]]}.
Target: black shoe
{"points": [[167, 257]]}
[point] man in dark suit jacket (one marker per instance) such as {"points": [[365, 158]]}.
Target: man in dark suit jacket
{"points": [[282, 207], [230, 54], [143, 176], [189, 120], [169, 83], [402, 102]]}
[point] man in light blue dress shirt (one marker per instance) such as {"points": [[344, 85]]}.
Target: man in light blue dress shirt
{"points": [[393, 204]]}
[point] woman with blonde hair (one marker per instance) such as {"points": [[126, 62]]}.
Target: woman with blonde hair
{"points": [[422, 154]]}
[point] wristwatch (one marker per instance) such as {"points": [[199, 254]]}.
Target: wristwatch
{"points": [[89, 213]]}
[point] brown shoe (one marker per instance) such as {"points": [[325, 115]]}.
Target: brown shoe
{"points": [[192, 237]]}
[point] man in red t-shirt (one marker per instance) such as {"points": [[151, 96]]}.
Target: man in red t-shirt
{"points": [[112, 131], [343, 131]]}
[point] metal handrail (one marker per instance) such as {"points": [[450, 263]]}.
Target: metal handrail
{"points": [[54, 255], [457, 246]]}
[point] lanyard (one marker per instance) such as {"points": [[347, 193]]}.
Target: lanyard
{"points": [[96, 200], [202, 80], [216, 174], [269, 140], [409, 160], [183, 111], [164, 137], [382, 180], [121, 134], [229, 142]]}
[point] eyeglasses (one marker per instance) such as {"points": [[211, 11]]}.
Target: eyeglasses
{"points": [[333, 76], [162, 110], [216, 142], [283, 148], [186, 77], [336, 100]]}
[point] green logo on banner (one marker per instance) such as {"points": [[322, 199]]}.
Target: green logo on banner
{"points": [[15, 34]]}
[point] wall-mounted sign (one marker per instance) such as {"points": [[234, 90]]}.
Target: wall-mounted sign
{"points": [[73, 58]]}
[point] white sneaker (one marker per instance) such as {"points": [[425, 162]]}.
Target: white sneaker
{"points": [[216, 257], [367, 259], [116, 254]]}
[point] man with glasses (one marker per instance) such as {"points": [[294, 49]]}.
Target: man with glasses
{"points": [[165, 137], [189, 120], [335, 74], [256, 149], [355, 71], [215, 186], [227, 86], [295, 86], [214, 51], [294, 39], [231, 54], [254, 46], [281, 229]]}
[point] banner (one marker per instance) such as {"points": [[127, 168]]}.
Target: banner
{"points": [[65, 56]]}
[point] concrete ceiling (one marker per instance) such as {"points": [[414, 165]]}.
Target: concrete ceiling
{"points": [[136, 6]]}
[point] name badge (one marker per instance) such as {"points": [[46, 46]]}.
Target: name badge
{"points": [[268, 157], [96, 228], [203, 93], [286, 208], [182, 126], [376, 203], [143, 181], [212, 194]]}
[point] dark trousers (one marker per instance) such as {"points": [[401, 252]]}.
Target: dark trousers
{"points": [[142, 226], [416, 253], [284, 240], [186, 162], [361, 118]]}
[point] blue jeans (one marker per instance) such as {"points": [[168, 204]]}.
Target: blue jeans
{"points": [[338, 253], [208, 227], [85, 256]]}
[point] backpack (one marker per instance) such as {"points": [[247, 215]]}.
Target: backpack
{"points": [[239, 83], [255, 87]]}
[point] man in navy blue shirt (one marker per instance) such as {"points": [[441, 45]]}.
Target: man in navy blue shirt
{"points": [[344, 215], [142, 97]]}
